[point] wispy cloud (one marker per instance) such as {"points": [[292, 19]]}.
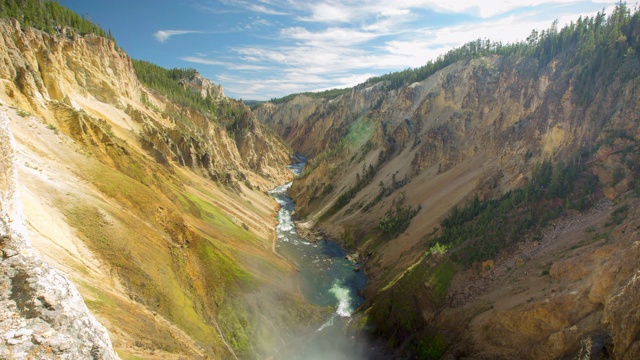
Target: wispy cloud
{"points": [[485, 8], [229, 65], [332, 11], [335, 36], [265, 10], [164, 35], [265, 7], [253, 23], [213, 9]]}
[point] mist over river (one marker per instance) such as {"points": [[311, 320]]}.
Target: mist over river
{"points": [[327, 278]]}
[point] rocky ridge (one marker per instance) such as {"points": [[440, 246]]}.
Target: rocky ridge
{"points": [[203, 86], [487, 119]]}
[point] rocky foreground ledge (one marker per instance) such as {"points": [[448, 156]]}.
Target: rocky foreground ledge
{"points": [[42, 315]]}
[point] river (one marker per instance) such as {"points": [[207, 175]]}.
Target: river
{"points": [[327, 278]]}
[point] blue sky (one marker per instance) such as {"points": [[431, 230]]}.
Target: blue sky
{"points": [[266, 48]]}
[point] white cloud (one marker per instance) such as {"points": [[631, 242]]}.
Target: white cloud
{"points": [[342, 51], [164, 35], [229, 65], [264, 10], [334, 36], [332, 11]]}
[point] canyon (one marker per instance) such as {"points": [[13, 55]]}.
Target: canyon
{"points": [[160, 215]]}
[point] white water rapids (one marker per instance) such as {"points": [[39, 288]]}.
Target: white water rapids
{"points": [[327, 278]]}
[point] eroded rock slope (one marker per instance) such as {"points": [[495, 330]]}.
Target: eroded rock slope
{"points": [[42, 313]]}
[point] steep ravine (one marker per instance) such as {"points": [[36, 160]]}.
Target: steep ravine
{"points": [[159, 213]]}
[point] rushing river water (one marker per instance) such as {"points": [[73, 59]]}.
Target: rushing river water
{"points": [[327, 279]]}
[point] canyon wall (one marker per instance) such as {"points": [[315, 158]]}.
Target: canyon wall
{"points": [[478, 128]]}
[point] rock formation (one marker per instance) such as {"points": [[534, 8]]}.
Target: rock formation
{"points": [[203, 86]]}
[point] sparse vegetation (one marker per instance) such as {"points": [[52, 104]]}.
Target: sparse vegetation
{"points": [[52, 128], [480, 229], [618, 215], [618, 175], [437, 249], [386, 191], [363, 180], [327, 94], [397, 221]]}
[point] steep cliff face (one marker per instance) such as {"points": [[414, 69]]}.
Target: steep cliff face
{"points": [[42, 69], [155, 211], [477, 126]]}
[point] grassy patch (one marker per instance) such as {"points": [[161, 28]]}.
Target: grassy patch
{"points": [[359, 132], [441, 279], [618, 215], [126, 190], [220, 269], [433, 347], [139, 324], [397, 310], [125, 355], [214, 217]]}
